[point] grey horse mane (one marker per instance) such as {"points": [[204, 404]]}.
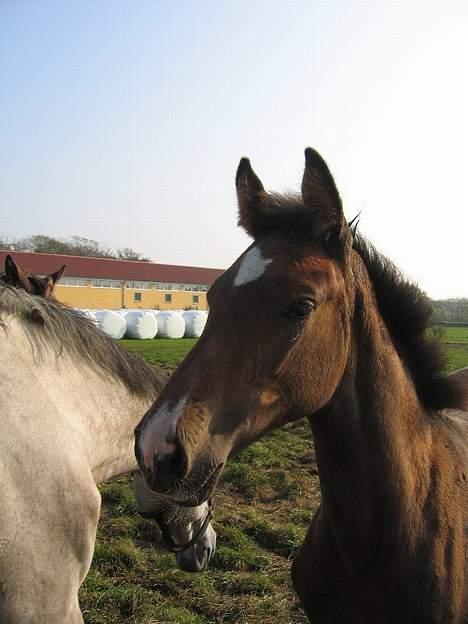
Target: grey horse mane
{"points": [[51, 325]]}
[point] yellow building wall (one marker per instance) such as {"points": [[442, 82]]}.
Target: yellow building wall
{"points": [[89, 297], [113, 298], [154, 299]]}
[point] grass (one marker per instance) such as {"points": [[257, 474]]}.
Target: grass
{"points": [[165, 353], [455, 335], [264, 503], [456, 341]]}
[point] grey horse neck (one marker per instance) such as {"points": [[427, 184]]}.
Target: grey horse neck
{"points": [[98, 391]]}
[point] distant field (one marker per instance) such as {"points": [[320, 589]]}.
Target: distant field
{"points": [[264, 504], [456, 340], [455, 335]]}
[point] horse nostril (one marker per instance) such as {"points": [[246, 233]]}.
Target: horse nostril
{"points": [[168, 468]]}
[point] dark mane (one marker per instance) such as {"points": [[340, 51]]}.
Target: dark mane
{"points": [[407, 313], [64, 330]]}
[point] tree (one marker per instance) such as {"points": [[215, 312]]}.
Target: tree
{"points": [[74, 246], [126, 253], [43, 244], [81, 246], [5, 242]]}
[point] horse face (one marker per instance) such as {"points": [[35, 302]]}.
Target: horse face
{"points": [[274, 348]]}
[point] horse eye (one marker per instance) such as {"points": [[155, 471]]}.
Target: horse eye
{"points": [[299, 311]]}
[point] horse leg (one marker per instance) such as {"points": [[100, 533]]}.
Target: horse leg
{"points": [[45, 554], [181, 523]]}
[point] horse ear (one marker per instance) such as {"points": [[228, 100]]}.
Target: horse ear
{"points": [[11, 270], [319, 193], [251, 197], [53, 278], [322, 200], [14, 275]]}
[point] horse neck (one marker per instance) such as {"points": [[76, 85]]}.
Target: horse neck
{"points": [[111, 415], [372, 445], [99, 413]]}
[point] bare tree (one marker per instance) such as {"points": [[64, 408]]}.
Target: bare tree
{"points": [[126, 253], [74, 246]]}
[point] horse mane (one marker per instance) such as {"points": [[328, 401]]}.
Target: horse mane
{"points": [[52, 325], [408, 315]]}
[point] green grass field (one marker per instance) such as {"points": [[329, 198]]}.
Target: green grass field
{"points": [[456, 341], [264, 503], [164, 353]]}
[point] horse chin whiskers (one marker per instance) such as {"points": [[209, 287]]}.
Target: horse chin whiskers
{"points": [[197, 487]]}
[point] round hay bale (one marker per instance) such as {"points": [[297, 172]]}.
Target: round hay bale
{"points": [[141, 325], [170, 324], [195, 322], [110, 323]]}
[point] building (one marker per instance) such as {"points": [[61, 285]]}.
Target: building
{"points": [[103, 283]]}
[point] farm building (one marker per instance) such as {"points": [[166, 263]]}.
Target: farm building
{"points": [[111, 284]]}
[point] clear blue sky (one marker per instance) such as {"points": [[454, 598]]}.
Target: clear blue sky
{"points": [[124, 122]]}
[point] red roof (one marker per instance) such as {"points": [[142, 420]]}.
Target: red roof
{"points": [[78, 266]]}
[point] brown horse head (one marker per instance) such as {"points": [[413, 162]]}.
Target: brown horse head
{"points": [[286, 321], [16, 276], [276, 342]]}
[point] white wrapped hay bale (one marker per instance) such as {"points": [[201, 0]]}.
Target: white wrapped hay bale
{"points": [[154, 313], [195, 322], [123, 312], [141, 325], [170, 324], [110, 323]]}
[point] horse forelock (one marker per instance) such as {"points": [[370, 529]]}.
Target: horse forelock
{"points": [[51, 325]]}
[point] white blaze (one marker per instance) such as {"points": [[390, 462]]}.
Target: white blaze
{"points": [[159, 434], [252, 267]]}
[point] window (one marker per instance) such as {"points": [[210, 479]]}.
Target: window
{"points": [[101, 283], [194, 287], [168, 298], [195, 298], [137, 296], [72, 281]]}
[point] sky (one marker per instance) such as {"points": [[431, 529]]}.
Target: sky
{"points": [[124, 122]]}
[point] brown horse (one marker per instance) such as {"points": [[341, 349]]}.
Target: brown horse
{"points": [[18, 277], [312, 322]]}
